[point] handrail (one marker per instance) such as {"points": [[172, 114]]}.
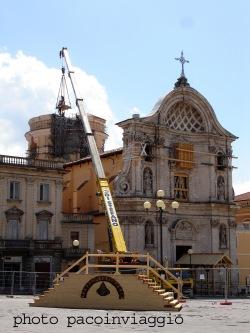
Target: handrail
{"points": [[164, 268], [166, 282], [70, 267], [29, 162], [116, 264]]}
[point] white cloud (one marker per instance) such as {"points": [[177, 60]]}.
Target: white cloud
{"points": [[242, 187], [29, 88], [8, 140]]}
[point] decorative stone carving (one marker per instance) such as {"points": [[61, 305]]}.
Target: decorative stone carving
{"points": [[59, 182], [164, 220], [147, 182], [14, 213], [212, 149], [30, 180], [122, 185], [184, 117], [131, 220], [214, 222], [232, 223], [44, 215], [184, 230], [220, 188], [223, 236]]}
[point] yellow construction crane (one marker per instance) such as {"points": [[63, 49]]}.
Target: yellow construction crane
{"points": [[114, 225]]}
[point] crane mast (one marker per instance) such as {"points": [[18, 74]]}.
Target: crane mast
{"points": [[114, 225]]}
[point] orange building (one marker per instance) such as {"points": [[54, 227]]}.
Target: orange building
{"points": [[80, 195], [243, 237]]}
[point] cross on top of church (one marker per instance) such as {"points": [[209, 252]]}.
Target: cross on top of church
{"points": [[182, 61]]}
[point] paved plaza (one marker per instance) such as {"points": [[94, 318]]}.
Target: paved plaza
{"points": [[197, 316]]}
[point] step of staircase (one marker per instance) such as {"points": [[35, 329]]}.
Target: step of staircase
{"points": [[146, 280], [171, 303], [167, 293], [160, 291], [168, 299], [174, 302], [155, 287]]}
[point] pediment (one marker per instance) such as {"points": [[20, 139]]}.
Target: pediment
{"points": [[13, 213], [44, 214]]}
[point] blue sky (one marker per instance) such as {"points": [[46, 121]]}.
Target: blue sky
{"points": [[129, 48]]}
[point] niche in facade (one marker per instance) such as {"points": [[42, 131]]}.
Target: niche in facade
{"points": [[147, 182], [149, 234], [220, 188], [223, 236]]}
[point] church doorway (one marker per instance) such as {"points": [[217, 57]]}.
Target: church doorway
{"points": [[181, 250]]}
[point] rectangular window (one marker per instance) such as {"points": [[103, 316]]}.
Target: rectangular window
{"points": [[184, 154], [181, 187], [14, 190], [42, 229], [44, 192], [12, 229]]}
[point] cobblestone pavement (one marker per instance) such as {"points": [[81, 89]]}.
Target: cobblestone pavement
{"points": [[197, 316]]}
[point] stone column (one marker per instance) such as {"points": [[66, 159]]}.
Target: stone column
{"points": [[214, 234], [57, 232], [30, 199]]}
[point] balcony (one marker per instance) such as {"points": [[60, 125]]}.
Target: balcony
{"points": [[30, 244], [79, 218], [14, 244], [28, 162], [74, 252], [47, 245]]}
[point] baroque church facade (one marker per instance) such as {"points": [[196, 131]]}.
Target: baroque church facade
{"points": [[182, 149]]}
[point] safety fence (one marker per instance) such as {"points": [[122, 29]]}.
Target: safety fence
{"points": [[25, 283], [200, 282]]}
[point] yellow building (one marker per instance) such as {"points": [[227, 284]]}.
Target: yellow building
{"points": [[80, 197], [243, 237]]}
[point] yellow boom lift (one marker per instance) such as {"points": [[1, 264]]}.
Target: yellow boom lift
{"points": [[91, 287], [114, 225]]}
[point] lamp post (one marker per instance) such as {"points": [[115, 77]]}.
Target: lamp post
{"points": [[161, 206], [75, 244], [190, 252]]}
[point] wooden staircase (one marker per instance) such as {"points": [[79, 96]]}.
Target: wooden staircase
{"points": [[170, 303], [108, 286]]}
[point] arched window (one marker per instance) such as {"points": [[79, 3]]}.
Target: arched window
{"points": [[147, 181], [223, 236], [220, 188], [149, 234]]}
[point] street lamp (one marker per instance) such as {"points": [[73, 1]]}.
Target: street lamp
{"points": [[175, 205], [75, 243], [161, 206], [190, 252]]}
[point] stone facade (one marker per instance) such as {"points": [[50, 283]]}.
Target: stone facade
{"points": [[30, 214], [182, 149]]}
